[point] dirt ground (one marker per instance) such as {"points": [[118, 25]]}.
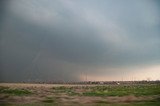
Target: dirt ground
{"points": [[44, 93]]}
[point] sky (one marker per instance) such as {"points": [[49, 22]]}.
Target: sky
{"points": [[79, 40]]}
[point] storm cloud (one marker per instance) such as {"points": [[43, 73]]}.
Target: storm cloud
{"points": [[66, 40]]}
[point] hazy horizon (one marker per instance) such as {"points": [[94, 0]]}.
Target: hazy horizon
{"points": [[48, 40]]}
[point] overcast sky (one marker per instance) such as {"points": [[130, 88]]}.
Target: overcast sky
{"points": [[67, 40]]}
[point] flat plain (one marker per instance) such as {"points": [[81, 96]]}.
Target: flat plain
{"points": [[23, 94]]}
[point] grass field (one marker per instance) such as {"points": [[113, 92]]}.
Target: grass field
{"points": [[79, 95]]}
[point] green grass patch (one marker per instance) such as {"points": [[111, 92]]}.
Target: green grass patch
{"points": [[17, 92], [68, 90], [101, 102], [148, 103], [121, 90], [5, 104], [33, 104], [113, 90], [48, 101]]}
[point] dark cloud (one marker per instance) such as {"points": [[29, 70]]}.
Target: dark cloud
{"points": [[59, 40]]}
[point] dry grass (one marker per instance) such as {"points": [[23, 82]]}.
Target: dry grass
{"points": [[61, 95]]}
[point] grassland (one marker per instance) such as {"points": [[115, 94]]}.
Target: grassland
{"points": [[16, 92], [79, 95]]}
